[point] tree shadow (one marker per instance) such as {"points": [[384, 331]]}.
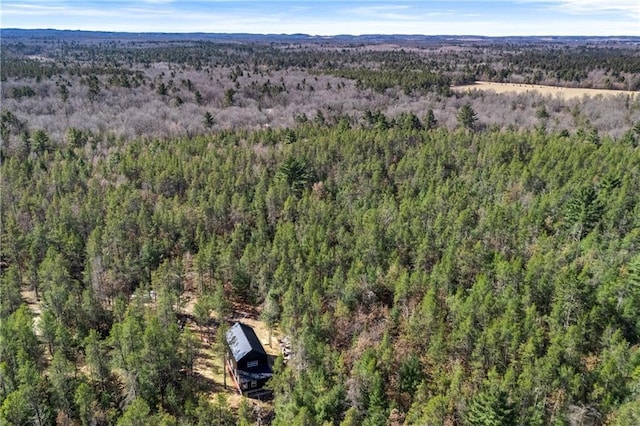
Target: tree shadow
{"points": [[205, 384]]}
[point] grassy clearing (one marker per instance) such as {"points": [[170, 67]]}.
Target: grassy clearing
{"points": [[561, 92]]}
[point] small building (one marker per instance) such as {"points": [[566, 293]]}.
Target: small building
{"points": [[248, 361]]}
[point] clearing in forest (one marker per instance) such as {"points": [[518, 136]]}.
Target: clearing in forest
{"points": [[561, 92], [208, 365]]}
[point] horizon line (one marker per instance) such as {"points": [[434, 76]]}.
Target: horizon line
{"points": [[320, 35]]}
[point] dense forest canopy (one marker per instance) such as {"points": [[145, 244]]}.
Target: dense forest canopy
{"points": [[429, 266], [168, 86]]}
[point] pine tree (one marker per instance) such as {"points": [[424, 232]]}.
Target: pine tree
{"points": [[222, 348], [295, 172], [583, 212], [271, 312], [10, 298], [85, 400], [229, 98], [490, 407], [467, 117], [60, 375], [430, 121], [208, 120], [97, 359], [136, 414]]}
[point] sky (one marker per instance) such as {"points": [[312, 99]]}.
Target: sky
{"points": [[355, 17]]}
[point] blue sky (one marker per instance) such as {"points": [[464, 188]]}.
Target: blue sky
{"points": [[480, 17]]}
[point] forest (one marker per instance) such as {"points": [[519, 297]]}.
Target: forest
{"points": [[434, 257]]}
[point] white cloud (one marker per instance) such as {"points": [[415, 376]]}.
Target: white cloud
{"points": [[30, 9], [390, 12], [581, 7], [398, 14], [16, 9], [570, 17]]}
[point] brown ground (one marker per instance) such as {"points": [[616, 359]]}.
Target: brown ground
{"points": [[29, 297], [560, 92], [209, 364]]}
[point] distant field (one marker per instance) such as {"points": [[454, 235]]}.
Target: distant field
{"points": [[562, 92]]}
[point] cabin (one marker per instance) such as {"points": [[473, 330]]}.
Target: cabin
{"points": [[248, 362]]}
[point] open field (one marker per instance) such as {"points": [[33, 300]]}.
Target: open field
{"points": [[560, 92]]}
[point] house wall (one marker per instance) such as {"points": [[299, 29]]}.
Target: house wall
{"points": [[248, 362]]}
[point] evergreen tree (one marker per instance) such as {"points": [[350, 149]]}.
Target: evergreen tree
{"points": [[467, 117], [583, 212], [10, 296], [222, 349], [136, 414], [430, 121], [84, 399], [97, 359], [270, 312], [490, 407], [229, 100], [61, 373], [40, 142], [18, 346], [208, 119], [94, 88], [295, 172]]}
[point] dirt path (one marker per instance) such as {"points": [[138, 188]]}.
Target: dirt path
{"points": [[29, 297], [561, 92]]}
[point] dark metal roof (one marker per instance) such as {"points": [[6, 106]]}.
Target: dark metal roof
{"points": [[242, 340]]}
